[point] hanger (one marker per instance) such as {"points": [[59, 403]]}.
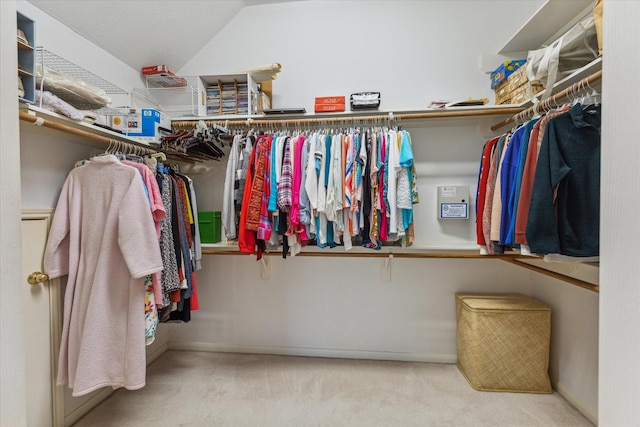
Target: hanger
{"points": [[594, 97], [160, 156]]}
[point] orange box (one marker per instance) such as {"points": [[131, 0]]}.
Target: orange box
{"points": [[329, 108], [154, 69], [330, 100]]}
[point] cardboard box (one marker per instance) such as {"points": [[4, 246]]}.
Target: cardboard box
{"points": [[505, 70], [143, 124], [519, 78], [502, 93], [523, 94]]}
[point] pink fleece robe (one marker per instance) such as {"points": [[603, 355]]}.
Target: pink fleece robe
{"points": [[103, 237]]}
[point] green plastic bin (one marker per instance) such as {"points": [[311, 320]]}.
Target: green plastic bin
{"points": [[209, 223]]}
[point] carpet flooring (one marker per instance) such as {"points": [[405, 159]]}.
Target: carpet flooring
{"points": [[226, 389]]}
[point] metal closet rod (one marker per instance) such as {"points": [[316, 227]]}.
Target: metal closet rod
{"points": [[350, 120], [108, 142], [553, 99]]}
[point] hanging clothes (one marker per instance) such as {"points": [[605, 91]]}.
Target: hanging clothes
{"points": [[481, 193], [541, 187], [330, 187], [101, 226], [528, 175], [169, 279]]}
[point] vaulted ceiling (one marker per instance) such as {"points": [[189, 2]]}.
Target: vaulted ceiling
{"points": [[148, 32]]}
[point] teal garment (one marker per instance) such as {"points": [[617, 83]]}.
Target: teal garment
{"points": [[327, 161], [406, 161], [406, 153], [407, 217], [272, 206]]}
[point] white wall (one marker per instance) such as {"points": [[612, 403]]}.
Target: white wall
{"points": [[573, 365], [339, 307], [620, 296], [13, 408], [412, 52]]}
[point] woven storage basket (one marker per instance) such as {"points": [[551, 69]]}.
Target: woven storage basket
{"points": [[503, 342]]}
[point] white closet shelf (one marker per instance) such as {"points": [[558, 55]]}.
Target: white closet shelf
{"points": [[551, 20], [455, 116]]}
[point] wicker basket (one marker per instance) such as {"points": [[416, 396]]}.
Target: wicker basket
{"points": [[503, 342]]}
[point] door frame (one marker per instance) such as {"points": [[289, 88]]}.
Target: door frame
{"points": [[55, 324]]}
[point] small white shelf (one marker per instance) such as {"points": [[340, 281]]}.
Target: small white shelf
{"points": [[171, 101], [550, 20]]}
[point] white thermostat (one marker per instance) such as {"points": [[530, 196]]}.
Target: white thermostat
{"points": [[453, 202]]}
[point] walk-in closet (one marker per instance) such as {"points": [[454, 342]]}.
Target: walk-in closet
{"points": [[317, 301]]}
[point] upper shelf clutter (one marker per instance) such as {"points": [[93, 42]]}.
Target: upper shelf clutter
{"points": [[190, 102], [227, 95]]}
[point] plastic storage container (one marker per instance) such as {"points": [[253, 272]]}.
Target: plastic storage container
{"points": [[209, 223]]}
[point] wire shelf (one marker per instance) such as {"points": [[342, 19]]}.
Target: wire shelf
{"points": [[57, 63], [175, 101]]}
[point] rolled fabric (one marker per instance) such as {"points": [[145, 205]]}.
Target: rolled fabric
{"points": [[265, 72]]}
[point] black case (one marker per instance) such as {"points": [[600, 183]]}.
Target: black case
{"points": [[365, 101]]}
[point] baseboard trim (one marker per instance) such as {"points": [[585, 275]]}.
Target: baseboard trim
{"points": [[570, 397], [87, 406], [151, 357], [312, 352], [83, 409]]}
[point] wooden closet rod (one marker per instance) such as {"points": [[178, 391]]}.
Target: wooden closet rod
{"points": [[553, 99], [39, 121], [436, 114], [572, 280]]}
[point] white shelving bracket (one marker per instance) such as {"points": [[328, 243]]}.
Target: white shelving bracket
{"points": [[385, 268], [265, 268]]}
